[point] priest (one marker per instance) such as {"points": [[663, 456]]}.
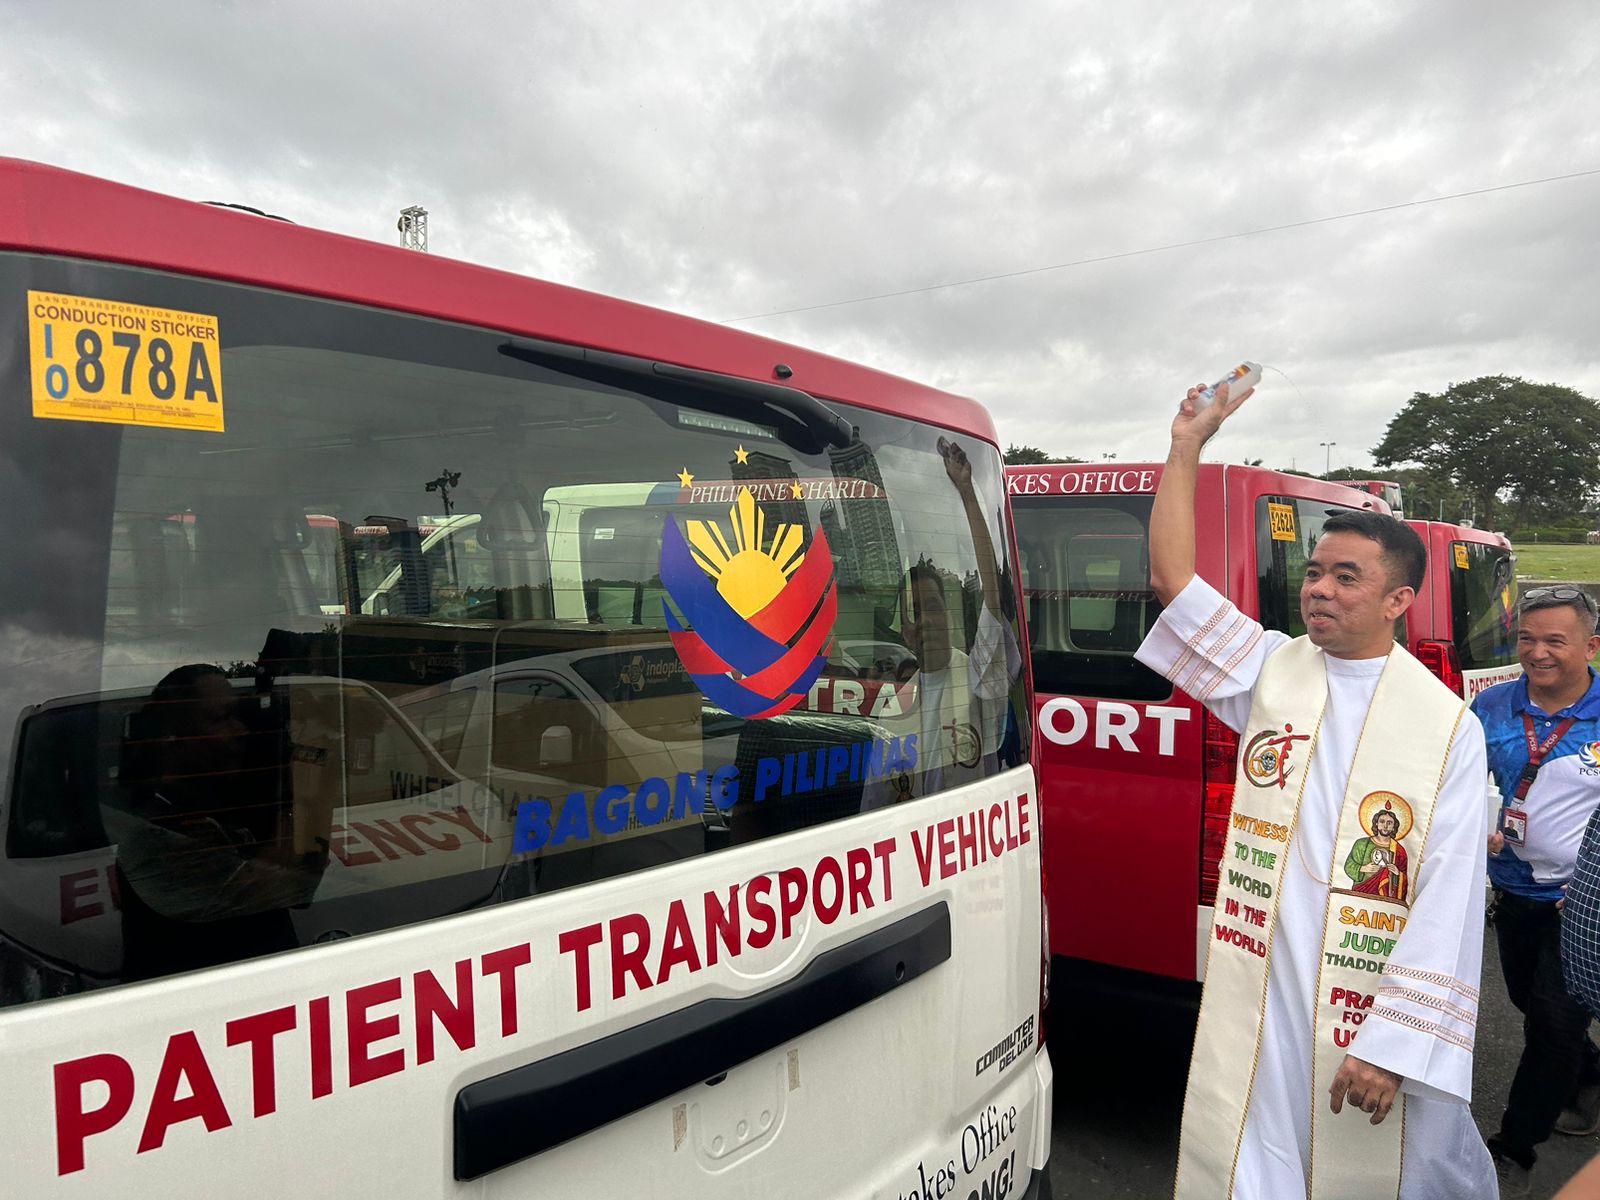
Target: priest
{"points": [[1333, 1056]]}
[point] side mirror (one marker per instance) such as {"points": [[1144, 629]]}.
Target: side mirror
{"points": [[555, 746]]}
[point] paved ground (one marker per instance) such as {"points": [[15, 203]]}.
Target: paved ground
{"points": [[1120, 1063]]}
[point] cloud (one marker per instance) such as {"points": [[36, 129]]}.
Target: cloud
{"points": [[732, 160]]}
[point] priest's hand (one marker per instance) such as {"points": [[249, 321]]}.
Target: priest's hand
{"points": [[1197, 420], [1369, 1088]]}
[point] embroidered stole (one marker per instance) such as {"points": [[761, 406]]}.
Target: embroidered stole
{"points": [[1383, 826]]}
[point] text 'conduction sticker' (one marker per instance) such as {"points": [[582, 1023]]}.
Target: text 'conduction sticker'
{"points": [[757, 610], [123, 364]]}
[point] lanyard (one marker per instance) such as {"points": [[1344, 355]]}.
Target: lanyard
{"points": [[1536, 752]]}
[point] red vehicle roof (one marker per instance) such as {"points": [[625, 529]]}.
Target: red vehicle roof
{"points": [[48, 210]]}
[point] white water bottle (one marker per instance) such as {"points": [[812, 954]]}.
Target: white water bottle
{"points": [[1495, 803], [1243, 377]]}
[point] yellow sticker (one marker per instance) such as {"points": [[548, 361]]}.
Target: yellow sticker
{"points": [[1282, 517], [1461, 556], [126, 364]]}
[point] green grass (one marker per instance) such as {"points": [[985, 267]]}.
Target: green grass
{"points": [[1552, 561]]}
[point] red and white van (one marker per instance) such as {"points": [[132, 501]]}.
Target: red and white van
{"points": [[1136, 778], [555, 847], [1463, 627], [1121, 750]]}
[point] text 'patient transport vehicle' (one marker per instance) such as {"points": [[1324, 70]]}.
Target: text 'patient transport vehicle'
{"points": [[1126, 759], [468, 736]]}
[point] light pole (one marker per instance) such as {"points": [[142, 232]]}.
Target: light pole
{"points": [[1327, 461]]}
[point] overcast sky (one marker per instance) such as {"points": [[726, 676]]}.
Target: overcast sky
{"points": [[734, 160]]}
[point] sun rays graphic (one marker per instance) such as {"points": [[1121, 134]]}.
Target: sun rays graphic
{"points": [[751, 572]]}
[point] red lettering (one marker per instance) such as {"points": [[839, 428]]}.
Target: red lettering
{"points": [[722, 923], [464, 819], [504, 963], [580, 943], [628, 961], [75, 888], [430, 1002], [859, 865], [382, 835], [760, 909], [679, 947], [967, 840], [413, 823], [1011, 838], [1022, 819], [828, 868], [184, 1061], [882, 850], [257, 1032], [339, 840], [320, 1035], [997, 844], [1343, 1037], [924, 852], [362, 1031], [947, 848], [76, 1124], [791, 897]]}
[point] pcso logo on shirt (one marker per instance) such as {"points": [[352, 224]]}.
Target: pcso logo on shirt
{"points": [[757, 612], [1589, 759]]}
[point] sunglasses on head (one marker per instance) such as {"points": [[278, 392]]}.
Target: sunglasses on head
{"points": [[1559, 594]]}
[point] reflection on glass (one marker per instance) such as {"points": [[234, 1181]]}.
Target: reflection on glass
{"points": [[310, 696]]}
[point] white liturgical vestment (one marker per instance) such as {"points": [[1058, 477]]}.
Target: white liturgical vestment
{"points": [[1216, 654]]}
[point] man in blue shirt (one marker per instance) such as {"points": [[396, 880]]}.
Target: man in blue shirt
{"points": [[1543, 736]]}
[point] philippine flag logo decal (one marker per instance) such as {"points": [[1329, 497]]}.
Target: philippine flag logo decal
{"points": [[758, 612]]}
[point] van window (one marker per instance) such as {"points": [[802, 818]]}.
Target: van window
{"points": [[1287, 530], [1086, 577], [431, 627], [1483, 605]]}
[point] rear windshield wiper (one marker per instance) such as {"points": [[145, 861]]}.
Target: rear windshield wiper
{"points": [[798, 418]]}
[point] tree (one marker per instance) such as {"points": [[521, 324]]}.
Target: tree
{"points": [[1430, 496], [1500, 434], [1032, 456]]}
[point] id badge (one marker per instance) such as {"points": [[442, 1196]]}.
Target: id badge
{"points": [[1514, 825]]}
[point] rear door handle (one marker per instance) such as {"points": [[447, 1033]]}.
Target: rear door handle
{"points": [[525, 1111]]}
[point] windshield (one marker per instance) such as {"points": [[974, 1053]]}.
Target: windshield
{"points": [[1483, 604], [576, 631]]}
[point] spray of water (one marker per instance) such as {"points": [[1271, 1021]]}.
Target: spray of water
{"points": [[1280, 371]]}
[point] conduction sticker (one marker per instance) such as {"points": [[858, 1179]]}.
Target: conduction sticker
{"points": [[1461, 556], [125, 364], [1283, 527]]}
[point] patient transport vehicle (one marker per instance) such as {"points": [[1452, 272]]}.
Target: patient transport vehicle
{"points": [[447, 742]]}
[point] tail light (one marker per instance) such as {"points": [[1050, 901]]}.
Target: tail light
{"points": [[1220, 773], [1442, 659]]}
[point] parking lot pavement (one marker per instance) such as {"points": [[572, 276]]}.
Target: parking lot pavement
{"points": [[1120, 1062]]}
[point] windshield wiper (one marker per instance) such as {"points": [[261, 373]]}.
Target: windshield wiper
{"points": [[798, 418]]}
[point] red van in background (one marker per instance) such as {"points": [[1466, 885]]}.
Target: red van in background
{"points": [[1136, 778], [1463, 627], [1385, 489]]}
